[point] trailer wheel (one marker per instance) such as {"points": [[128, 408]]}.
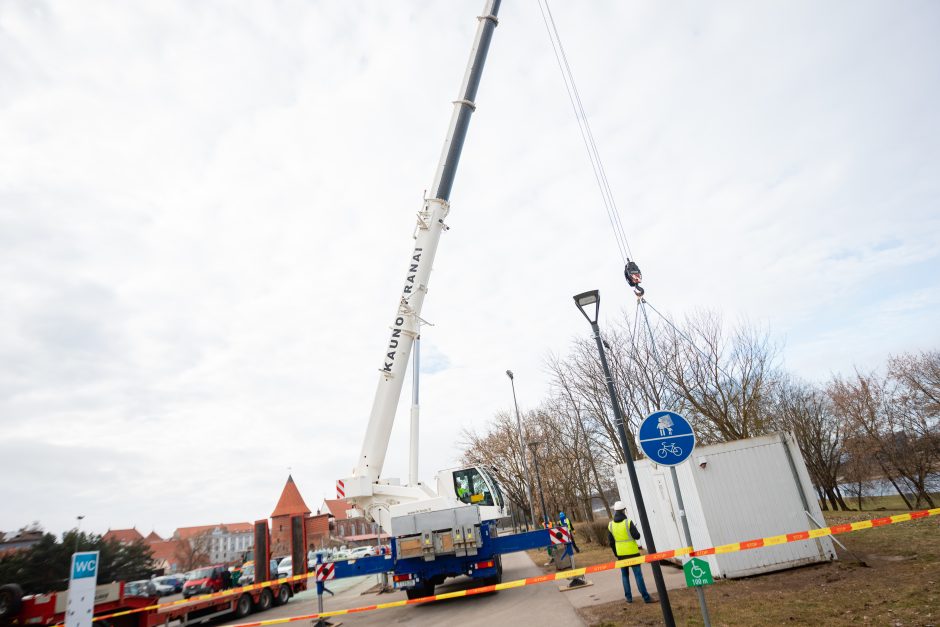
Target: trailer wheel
{"points": [[243, 607], [283, 594], [11, 598], [266, 600], [421, 590], [498, 577]]}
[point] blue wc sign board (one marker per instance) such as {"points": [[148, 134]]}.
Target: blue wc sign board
{"points": [[666, 438], [80, 608]]}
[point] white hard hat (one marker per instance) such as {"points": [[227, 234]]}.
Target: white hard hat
{"points": [[619, 505]]}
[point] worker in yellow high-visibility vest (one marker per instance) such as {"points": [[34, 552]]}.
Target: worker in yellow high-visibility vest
{"points": [[622, 536]]}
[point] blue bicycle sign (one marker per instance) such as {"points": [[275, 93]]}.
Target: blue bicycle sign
{"points": [[666, 438]]}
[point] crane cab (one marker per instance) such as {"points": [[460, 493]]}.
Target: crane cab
{"points": [[473, 485]]}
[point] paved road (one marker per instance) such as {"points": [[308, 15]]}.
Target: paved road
{"points": [[541, 604]]}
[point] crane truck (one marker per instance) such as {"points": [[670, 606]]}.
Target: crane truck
{"points": [[449, 530]]}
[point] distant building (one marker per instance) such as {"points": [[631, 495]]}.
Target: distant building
{"points": [[355, 531], [290, 504], [224, 543], [123, 536], [318, 531], [23, 539], [165, 555]]}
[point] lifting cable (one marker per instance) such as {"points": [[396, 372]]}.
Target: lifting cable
{"points": [[587, 136], [631, 271]]}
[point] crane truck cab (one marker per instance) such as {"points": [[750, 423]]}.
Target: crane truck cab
{"points": [[473, 486]]}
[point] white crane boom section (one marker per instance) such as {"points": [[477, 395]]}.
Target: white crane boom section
{"points": [[427, 235], [364, 488]]}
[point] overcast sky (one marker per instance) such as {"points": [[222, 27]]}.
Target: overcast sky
{"points": [[206, 212]]}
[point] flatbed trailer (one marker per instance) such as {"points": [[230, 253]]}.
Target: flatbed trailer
{"points": [[46, 610]]}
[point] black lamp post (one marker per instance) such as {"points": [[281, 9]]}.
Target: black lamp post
{"points": [[534, 444], [584, 302], [78, 531], [525, 464]]}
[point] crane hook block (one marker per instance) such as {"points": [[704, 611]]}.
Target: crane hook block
{"points": [[632, 273]]}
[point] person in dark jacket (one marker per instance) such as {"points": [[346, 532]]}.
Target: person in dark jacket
{"points": [[622, 536]]}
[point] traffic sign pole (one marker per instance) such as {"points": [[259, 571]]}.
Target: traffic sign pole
{"points": [[667, 439], [688, 541]]}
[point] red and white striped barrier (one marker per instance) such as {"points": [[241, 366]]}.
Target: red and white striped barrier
{"points": [[326, 571], [559, 535]]}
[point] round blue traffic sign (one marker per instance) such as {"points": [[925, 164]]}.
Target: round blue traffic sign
{"points": [[666, 438]]}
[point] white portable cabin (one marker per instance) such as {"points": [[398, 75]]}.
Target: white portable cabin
{"points": [[733, 491]]}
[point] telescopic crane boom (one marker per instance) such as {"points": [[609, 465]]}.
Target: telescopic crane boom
{"points": [[365, 489]]}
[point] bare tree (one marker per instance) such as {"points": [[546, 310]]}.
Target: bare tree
{"points": [[917, 391], [727, 382], [498, 450], [919, 378], [868, 404], [194, 552], [807, 413]]}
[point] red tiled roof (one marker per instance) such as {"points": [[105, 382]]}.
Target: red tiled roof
{"points": [[153, 537], [185, 533], [337, 508], [165, 550], [239, 527], [290, 502], [319, 524], [124, 536]]}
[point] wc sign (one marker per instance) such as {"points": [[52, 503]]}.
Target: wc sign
{"points": [[80, 609], [85, 565]]}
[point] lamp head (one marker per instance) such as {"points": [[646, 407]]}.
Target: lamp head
{"points": [[584, 302], [509, 374]]}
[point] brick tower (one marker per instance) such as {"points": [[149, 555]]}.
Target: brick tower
{"points": [[290, 504]]}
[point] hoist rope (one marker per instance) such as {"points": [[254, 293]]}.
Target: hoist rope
{"points": [[587, 136], [641, 305], [600, 175]]}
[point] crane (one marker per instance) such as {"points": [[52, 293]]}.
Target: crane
{"points": [[383, 499]]}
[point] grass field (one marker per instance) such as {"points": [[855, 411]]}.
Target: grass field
{"points": [[898, 585]]}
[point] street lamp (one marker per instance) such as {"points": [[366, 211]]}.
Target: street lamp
{"points": [[538, 478], [584, 302], [525, 464], [77, 530]]}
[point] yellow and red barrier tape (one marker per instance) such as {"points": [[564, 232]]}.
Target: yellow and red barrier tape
{"points": [[568, 574]]}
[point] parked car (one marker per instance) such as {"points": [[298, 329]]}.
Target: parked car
{"points": [[285, 568], [339, 554], [248, 574], [361, 551], [203, 581], [312, 557], [162, 588], [176, 580], [140, 588]]}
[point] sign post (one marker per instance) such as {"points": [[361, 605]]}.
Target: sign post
{"points": [[82, 582], [667, 439]]}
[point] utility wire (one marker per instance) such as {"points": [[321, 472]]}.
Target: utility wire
{"points": [[689, 340]]}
